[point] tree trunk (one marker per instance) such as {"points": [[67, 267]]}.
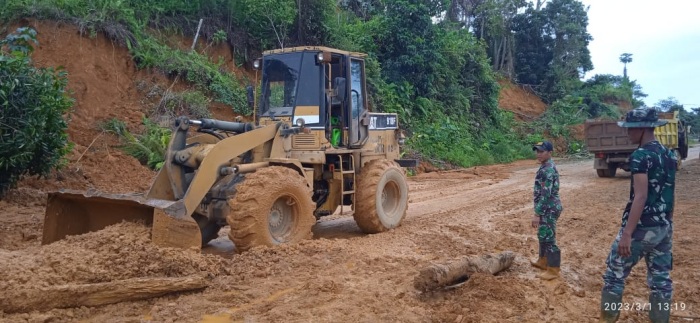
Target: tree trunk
{"points": [[76, 295], [504, 51], [441, 275], [496, 54], [511, 63], [539, 4]]}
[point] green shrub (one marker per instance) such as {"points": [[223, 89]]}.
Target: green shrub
{"points": [[197, 69], [196, 104], [33, 101], [149, 148]]}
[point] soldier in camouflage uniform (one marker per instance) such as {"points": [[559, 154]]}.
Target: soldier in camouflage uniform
{"points": [[547, 210], [647, 222]]}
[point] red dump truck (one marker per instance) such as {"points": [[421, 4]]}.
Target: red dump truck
{"points": [[611, 147]]}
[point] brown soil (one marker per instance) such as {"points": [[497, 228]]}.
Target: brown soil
{"points": [[524, 104], [342, 274]]}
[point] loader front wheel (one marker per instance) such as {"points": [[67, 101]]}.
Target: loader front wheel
{"points": [[382, 196], [271, 206]]}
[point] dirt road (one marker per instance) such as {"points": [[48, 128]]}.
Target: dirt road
{"points": [[344, 275]]}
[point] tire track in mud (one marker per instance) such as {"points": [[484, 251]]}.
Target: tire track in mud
{"points": [[344, 275]]}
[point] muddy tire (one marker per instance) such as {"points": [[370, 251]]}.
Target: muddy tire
{"points": [[610, 172], [382, 196], [271, 206]]}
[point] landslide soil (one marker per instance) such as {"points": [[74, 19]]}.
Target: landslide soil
{"points": [[341, 274], [344, 275]]}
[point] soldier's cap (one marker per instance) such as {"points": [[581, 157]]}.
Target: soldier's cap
{"points": [[543, 146], [642, 118]]}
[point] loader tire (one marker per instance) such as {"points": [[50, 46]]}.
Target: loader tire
{"points": [[271, 206], [382, 196]]}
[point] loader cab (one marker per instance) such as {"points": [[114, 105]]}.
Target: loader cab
{"points": [[323, 86]]}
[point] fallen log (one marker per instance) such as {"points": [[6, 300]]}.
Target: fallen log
{"points": [[75, 295], [442, 275]]}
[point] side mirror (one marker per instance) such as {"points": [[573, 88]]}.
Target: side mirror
{"points": [[250, 96], [339, 87]]}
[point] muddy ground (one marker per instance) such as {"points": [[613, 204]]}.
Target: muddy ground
{"points": [[343, 275]]}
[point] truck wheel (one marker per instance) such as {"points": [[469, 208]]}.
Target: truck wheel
{"points": [[271, 206], [382, 196], [610, 172], [606, 172]]}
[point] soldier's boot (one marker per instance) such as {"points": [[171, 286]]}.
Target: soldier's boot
{"points": [[609, 307], [553, 262], [551, 273], [541, 262], [660, 309]]}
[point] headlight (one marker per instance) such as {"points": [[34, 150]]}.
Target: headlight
{"points": [[323, 57], [300, 122]]}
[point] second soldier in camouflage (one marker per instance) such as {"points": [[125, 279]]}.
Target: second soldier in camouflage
{"points": [[646, 231], [547, 210]]}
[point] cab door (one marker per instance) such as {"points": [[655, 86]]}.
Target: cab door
{"points": [[357, 130]]}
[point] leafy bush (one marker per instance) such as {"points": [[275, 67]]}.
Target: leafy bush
{"points": [[173, 104], [194, 68], [33, 101], [149, 148]]}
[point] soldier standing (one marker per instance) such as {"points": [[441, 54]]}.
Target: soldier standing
{"points": [[647, 222], [547, 210]]}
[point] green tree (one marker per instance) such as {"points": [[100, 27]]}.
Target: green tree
{"points": [[33, 137], [494, 25], [625, 58], [533, 50], [668, 105], [571, 59], [270, 26], [407, 51], [552, 47], [312, 22]]}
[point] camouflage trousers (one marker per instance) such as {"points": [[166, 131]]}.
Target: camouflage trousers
{"points": [[654, 244], [547, 236]]}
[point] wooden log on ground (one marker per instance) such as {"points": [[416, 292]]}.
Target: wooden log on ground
{"points": [[75, 295], [441, 275]]}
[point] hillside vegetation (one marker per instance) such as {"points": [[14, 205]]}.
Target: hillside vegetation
{"points": [[439, 74]]}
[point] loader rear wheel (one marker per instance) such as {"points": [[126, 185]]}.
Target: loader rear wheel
{"points": [[382, 196], [271, 206]]}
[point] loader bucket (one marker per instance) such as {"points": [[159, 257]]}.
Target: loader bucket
{"points": [[75, 212]]}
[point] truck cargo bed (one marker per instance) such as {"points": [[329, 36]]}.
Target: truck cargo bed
{"points": [[607, 136]]}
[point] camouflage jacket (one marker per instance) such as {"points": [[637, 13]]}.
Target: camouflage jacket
{"points": [[546, 190], [659, 163]]}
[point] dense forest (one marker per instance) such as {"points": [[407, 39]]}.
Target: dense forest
{"points": [[436, 63]]}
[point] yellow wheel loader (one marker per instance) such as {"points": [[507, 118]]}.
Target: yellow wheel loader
{"points": [[312, 148]]}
